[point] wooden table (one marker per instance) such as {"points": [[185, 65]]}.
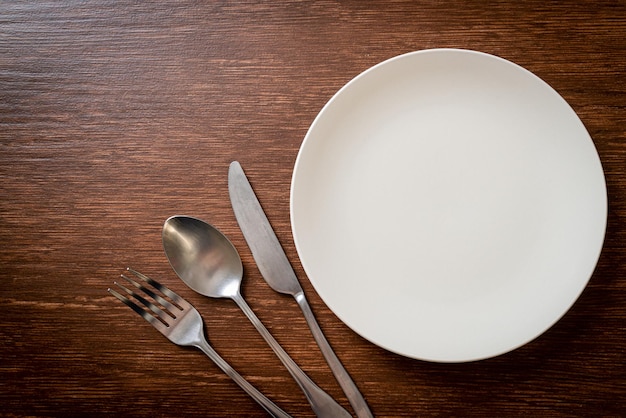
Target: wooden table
{"points": [[115, 115]]}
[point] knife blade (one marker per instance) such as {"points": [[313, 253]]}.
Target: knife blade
{"points": [[279, 274], [256, 228]]}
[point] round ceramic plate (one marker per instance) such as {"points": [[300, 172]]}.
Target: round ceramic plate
{"points": [[448, 205]]}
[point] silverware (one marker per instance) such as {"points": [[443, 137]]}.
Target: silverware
{"points": [[209, 264], [181, 323], [279, 274]]}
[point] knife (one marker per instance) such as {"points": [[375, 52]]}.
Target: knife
{"points": [[278, 273]]}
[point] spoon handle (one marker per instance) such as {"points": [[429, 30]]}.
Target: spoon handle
{"points": [[262, 400], [341, 374], [321, 402]]}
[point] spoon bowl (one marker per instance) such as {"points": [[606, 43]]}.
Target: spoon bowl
{"points": [[202, 257]]}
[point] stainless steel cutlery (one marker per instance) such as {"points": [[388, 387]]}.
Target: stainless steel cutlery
{"points": [[208, 263], [278, 273], [180, 323]]}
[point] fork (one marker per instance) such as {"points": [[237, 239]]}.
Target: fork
{"points": [[181, 323]]}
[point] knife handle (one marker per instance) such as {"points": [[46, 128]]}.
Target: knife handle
{"points": [[321, 402], [341, 374]]}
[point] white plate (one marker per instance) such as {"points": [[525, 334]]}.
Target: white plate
{"points": [[448, 205]]}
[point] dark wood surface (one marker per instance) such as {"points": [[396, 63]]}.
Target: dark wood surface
{"points": [[115, 115]]}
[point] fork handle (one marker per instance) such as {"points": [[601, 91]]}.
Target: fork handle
{"points": [[268, 405], [321, 402]]}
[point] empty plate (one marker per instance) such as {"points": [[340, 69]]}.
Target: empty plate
{"points": [[448, 205]]}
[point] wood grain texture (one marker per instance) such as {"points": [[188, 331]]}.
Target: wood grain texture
{"points": [[115, 115]]}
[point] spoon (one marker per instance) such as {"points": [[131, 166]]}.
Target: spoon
{"points": [[209, 264]]}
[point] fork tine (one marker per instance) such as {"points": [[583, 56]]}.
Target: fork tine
{"points": [[175, 302], [168, 307], [139, 310], [162, 315], [178, 300]]}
